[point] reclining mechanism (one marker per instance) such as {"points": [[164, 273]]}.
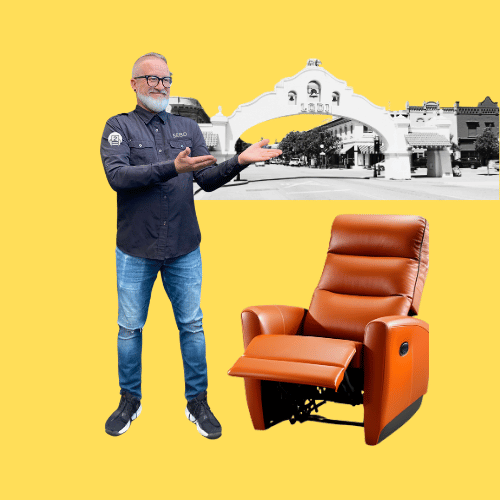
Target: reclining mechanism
{"points": [[300, 403], [357, 343]]}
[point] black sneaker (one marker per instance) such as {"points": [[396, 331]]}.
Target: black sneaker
{"points": [[198, 411], [128, 409]]}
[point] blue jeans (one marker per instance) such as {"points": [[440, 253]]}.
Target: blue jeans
{"points": [[182, 281]]}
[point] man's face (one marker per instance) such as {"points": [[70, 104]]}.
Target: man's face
{"points": [[153, 99]]}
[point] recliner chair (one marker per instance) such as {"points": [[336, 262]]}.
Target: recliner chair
{"points": [[358, 342]]}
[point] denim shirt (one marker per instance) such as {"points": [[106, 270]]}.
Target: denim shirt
{"points": [[156, 213]]}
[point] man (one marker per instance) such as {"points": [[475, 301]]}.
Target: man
{"points": [[151, 158]]}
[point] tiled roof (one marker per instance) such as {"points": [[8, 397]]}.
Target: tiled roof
{"points": [[429, 139], [211, 138]]}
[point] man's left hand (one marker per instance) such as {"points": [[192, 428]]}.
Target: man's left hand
{"points": [[255, 153]]}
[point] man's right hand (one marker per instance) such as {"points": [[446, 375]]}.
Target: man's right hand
{"points": [[184, 163]]}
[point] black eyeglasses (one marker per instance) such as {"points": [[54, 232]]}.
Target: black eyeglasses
{"points": [[153, 81]]}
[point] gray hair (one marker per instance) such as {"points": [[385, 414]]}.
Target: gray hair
{"points": [[149, 54]]}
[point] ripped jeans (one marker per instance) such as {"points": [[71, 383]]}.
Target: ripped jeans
{"points": [[181, 278]]}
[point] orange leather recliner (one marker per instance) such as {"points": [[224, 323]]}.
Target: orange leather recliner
{"points": [[358, 342]]}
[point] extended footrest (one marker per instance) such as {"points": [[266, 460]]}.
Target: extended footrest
{"points": [[296, 359]]}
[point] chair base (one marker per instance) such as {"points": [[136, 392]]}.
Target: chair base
{"points": [[299, 403], [400, 420]]}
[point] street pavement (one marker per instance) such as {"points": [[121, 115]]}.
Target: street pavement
{"points": [[281, 182]]}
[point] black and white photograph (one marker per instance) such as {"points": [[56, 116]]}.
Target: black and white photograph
{"points": [[426, 151]]}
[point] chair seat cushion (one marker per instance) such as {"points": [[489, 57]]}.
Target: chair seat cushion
{"points": [[296, 359]]}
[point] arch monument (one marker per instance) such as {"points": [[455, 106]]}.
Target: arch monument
{"points": [[313, 90]]}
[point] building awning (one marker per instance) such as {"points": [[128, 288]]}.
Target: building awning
{"points": [[346, 149], [418, 140], [369, 148], [366, 149], [211, 138]]}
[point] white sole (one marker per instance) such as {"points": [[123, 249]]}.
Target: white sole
{"points": [[192, 419], [133, 417]]}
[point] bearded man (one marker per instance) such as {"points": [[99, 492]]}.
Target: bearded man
{"points": [[151, 159]]}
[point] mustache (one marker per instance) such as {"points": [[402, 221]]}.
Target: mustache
{"points": [[164, 92]]}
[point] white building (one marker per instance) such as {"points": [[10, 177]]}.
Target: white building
{"points": [[357, 141]]}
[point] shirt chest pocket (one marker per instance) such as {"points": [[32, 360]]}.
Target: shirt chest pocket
{"points": [[178, 145], [142, 152]]}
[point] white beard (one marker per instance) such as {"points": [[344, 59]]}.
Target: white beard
{"points": [[153, 104]]}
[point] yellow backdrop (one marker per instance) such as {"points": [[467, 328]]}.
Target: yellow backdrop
{"points": [[65, 71]]}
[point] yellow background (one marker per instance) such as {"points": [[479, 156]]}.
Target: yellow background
{"points": [[65, 71]]}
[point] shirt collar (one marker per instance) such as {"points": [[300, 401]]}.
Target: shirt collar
{"points": [[147, 116]]}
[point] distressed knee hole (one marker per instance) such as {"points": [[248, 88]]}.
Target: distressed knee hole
{"points": [[126, 334], [191, 327]]}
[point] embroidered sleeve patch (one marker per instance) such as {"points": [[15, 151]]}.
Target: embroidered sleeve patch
{"points": [[115, 139]]}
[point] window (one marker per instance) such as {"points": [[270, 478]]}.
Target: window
{"points": [[292, 97], [366, 130], [489, 125], [336, 98], [472, 129], [465, 155]]}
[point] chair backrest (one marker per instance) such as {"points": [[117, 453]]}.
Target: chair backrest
{"points": [[376, 266]]}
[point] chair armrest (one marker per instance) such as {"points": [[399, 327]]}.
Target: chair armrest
{"points": [[276, 320], [399, 321], [394, 379]]}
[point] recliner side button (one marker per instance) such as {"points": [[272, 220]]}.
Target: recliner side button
{"points": [[403, 349]]}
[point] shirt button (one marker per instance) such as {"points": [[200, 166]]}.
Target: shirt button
{"points": [[140, 145], [159, 151], [156, 129], [165, 197], [164, 222]]}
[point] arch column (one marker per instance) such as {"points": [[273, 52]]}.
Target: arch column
{"points": [[398, 166], [398, 157], [225, 149]]}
